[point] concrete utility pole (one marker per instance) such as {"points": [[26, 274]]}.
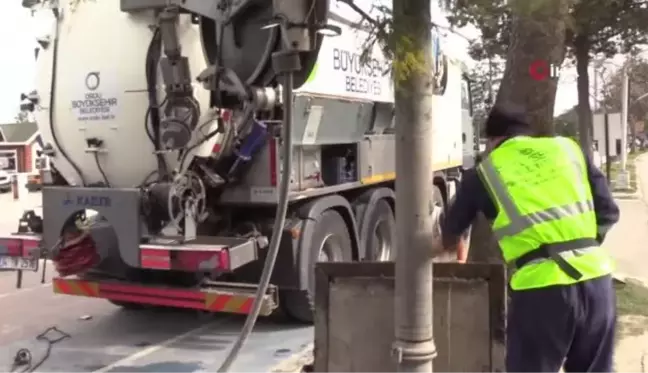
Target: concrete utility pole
{"points": [[608, 164], [414, 347], [600, 69], [623, 175]]}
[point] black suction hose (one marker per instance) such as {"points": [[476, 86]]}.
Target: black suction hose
{"points": [[277, 230], [52, 102], [153, 111]]}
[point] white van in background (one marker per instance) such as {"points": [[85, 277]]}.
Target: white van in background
{"points": [[597, 158], [5, 182]]}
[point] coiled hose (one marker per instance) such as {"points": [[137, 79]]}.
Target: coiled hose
{"points": [[76, 251], [75, 254], [277, 230]]}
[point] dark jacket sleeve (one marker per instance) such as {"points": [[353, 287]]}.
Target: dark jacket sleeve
{"points": [[464, 209], [606, 209]]}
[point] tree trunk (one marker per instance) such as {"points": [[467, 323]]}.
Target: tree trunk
{"points": [[537, 34], [483, 246], [633, 134], [581, 50], [631, 117]]}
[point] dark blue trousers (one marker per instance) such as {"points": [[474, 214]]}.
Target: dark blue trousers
{"points": [[571, 326]]}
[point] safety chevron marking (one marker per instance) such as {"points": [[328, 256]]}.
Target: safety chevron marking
{"points": [[228, 303], [76, 287]]}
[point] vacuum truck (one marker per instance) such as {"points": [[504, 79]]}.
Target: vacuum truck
{"points": [[193, 142]]}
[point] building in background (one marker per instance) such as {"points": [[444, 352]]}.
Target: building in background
{"points": [[20, 144], [614, 125]]}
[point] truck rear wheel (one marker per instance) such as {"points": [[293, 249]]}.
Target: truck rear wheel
{"points": [[331, 242], [440, 202], [381, 241], [437, 197]]}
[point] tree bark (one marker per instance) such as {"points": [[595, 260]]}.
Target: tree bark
{"points": [[483, 246], [582, 52], [631, 117], [537, 34], [633, 134]]}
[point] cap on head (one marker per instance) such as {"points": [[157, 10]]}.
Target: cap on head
{"points": [[506, 120]]}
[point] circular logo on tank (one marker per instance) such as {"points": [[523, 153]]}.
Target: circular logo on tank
{"points": [[92, 80]]}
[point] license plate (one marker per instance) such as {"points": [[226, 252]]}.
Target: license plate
{"points": [[18, 262]]}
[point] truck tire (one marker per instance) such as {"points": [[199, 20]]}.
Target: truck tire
{"points": [[381, 240], [438, 200], [330, 242]]}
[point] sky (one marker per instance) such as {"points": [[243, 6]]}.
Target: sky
{"points": [[17, 65], [18, 31]]}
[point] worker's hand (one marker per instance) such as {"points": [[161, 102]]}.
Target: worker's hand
{"points": [[457, 253], [462, 250], [453, 253], [463, 246]]}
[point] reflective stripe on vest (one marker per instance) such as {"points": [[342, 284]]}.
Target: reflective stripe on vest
{"points": [[546, 223], [518, 222]]}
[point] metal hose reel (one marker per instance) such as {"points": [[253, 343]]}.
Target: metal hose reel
{"points": [[187, 200]]}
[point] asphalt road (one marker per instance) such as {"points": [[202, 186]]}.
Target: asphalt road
{"points": [[106, 338]]}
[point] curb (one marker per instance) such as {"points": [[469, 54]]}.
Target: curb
{"points": [[296, 362], [637, 194], [619, 195], [622, 279]]}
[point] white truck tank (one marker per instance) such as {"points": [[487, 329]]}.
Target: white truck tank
{"points": [[100, 90], [97, 60]]}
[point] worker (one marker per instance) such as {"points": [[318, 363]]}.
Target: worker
{"points": [[550, 210]]}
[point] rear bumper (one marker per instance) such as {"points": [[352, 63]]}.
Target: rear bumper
{"points": [[123, 232], [207, 255], [216, 297]]}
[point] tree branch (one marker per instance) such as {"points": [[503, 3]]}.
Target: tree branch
{"points": [[380, 26]]}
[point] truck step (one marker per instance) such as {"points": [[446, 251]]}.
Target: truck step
{"points": [[211, 297], [203, 254]]}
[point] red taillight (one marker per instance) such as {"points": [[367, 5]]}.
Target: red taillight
{"points": [[216, 149], [185, 259], [155, 258], [224, 258], [19, 246], [11, 247]]}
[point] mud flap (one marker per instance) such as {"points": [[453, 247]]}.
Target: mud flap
{"points": [[469, 317]]}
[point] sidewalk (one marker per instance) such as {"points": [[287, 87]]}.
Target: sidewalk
{"points": [[628, 240], [628, 244]]}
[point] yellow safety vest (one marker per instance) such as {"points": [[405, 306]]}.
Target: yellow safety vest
{"points": [[545, 223]]}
